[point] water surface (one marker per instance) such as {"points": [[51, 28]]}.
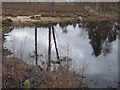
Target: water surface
{"points": [[92, 43]]}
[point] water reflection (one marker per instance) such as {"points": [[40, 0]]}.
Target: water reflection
{"points": [[101, 34], [94, 42]]}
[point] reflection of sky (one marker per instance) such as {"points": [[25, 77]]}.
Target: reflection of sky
{"points": [[79, 49]]}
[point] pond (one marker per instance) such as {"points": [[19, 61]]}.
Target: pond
{"points": [[94, 44]]}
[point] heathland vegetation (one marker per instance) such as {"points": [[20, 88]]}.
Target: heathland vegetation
{"points": [[18, 74]]}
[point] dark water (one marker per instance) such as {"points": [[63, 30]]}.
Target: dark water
{"points": [[92, 43]]}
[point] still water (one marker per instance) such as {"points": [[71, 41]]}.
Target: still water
{"points": [[93, 43]]}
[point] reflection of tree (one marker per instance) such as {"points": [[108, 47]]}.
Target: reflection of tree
{"points": [[106, 48], [112, 35], [65, 24], [64, 27], [101, 34], [64, 30], [74, 25]]}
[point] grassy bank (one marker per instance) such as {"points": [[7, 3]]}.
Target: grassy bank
{"points": [[60, 12], [17, 71], [24, 21]]}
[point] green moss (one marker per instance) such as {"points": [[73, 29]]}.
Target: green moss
{"points": [[26, 84]]}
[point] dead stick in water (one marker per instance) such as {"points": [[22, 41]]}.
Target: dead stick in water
{"points": [[55, 42]]}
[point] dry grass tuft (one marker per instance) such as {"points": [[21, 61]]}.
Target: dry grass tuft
{"points": [[62, 77]]}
